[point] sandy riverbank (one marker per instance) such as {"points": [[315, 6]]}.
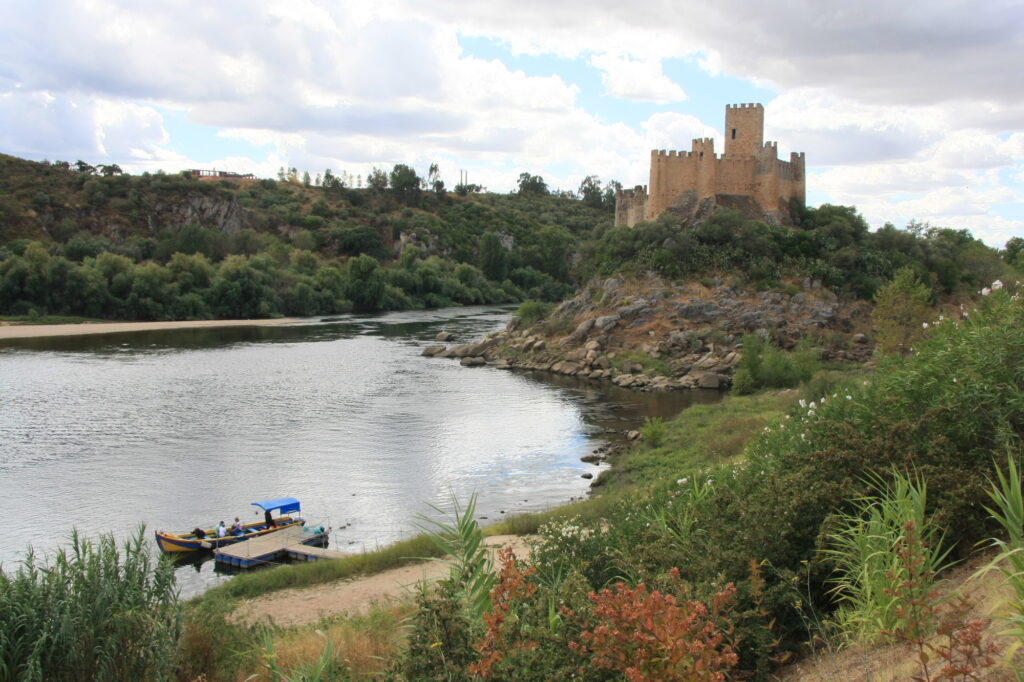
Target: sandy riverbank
{"points": [[26, 331]]}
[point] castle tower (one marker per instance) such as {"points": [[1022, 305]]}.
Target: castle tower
{"points": [[744, 129], [748, 175]]}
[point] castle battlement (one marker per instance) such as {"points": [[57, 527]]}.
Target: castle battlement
{"points": [[748, 167]]}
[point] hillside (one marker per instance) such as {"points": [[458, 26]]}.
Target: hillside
{"points": [[95, 242], [160, 246]]}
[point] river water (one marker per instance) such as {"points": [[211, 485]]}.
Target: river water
{"points": [[186, 427]]}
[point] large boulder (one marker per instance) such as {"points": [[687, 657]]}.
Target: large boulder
{"points": [[431, 351], [582, 330], [472, 362], [606, 322]]}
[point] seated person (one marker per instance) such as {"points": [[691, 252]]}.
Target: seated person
{"points": [[199, 533], [269, 518], [237, 528]]}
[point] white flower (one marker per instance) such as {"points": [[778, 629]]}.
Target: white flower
{"points": [[954, 380], [849, 397], [985, 292], [810, 413], [813, 405], [997, 285], [803, 403], [682, 481], [924, 325], [803, 436]]}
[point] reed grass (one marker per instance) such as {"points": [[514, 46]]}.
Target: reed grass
{"points": [[94, 612], [461, 543], [1008, 512], [869, 550]]}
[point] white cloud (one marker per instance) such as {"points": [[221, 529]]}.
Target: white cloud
{"points": [[904, 108], [668, 130], [637, 79]]}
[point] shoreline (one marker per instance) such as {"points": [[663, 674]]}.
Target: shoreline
{"points": [[28, 331]]}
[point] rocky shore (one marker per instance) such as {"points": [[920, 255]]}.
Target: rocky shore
{"points": [[646, 333]]}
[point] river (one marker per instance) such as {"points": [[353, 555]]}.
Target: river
{"points": [[186, 427]]}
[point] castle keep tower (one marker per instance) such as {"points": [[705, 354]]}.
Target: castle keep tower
{"points": [[744, 129], [748, 176]]}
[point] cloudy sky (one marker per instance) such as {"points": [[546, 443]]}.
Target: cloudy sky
{"points": [[910, 110]]}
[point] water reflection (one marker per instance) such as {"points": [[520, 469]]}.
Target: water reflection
{"points": [[186, 427]]}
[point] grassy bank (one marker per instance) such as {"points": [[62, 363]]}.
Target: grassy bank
{"points": [[700, 437]]}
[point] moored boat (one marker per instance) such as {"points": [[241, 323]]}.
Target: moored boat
{"points": [[287, 515]]}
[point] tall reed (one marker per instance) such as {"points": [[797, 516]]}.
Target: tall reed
{"points": [[1009, 513], [887, 553], [462, 543], [94, 612]]}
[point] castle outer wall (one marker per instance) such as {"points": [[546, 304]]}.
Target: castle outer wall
{"points": [[748, 169]]}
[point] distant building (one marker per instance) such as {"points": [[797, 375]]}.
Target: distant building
{"points": [[748, 176], [217, 175]]}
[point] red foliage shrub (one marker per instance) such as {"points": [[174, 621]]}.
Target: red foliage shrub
{"points": [[652, 636]]}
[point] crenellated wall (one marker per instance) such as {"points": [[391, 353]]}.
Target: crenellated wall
{"points": [[749, 167], [630, 205]]}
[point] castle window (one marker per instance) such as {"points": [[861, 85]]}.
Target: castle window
{"points": [[734, 133], [702, 155]]}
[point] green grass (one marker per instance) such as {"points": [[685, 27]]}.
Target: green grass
{"points": [[700, 436], [649, 364]]}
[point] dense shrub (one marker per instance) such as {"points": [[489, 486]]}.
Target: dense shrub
{"points": [[831, 244], [92, 612], [762, 524], [764, 365]]}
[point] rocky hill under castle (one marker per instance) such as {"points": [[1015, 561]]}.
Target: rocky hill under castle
{"points": [[647, 333]]}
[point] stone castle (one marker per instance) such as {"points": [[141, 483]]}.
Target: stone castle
{"points": [[748, 176]]}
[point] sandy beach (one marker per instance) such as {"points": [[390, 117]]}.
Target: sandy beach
{"points": [[26, 331]]}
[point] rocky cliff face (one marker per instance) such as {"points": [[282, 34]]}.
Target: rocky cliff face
{"points": [[647, 333], [217, 212]]}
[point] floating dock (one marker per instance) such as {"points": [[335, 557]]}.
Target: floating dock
{"points": [[292, 542]]}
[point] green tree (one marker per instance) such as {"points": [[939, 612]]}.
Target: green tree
{"points": [[1014, 247], [191, 272], [554, 248], [377, 180], [242, 289], [366, 282], [902, 308], [493, 257], [590, 191], [532, 185], [405, 184]]}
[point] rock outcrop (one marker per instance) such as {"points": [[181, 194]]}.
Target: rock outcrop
{"points": [[650, 334]]}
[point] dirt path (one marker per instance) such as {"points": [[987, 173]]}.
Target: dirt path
{"points": [[307, 605], [25, 331]]}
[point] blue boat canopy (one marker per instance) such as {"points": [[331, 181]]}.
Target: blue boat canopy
{"points": [[285, 504]]}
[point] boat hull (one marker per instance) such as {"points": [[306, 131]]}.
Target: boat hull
{"points": [[176, 543]]}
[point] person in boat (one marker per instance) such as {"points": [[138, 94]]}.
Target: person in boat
{"points": [[269, 518], [236, 527], [222, 530], [199, 533]]}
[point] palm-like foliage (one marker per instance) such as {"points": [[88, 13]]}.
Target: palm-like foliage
{"points": [[462, 542]]}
